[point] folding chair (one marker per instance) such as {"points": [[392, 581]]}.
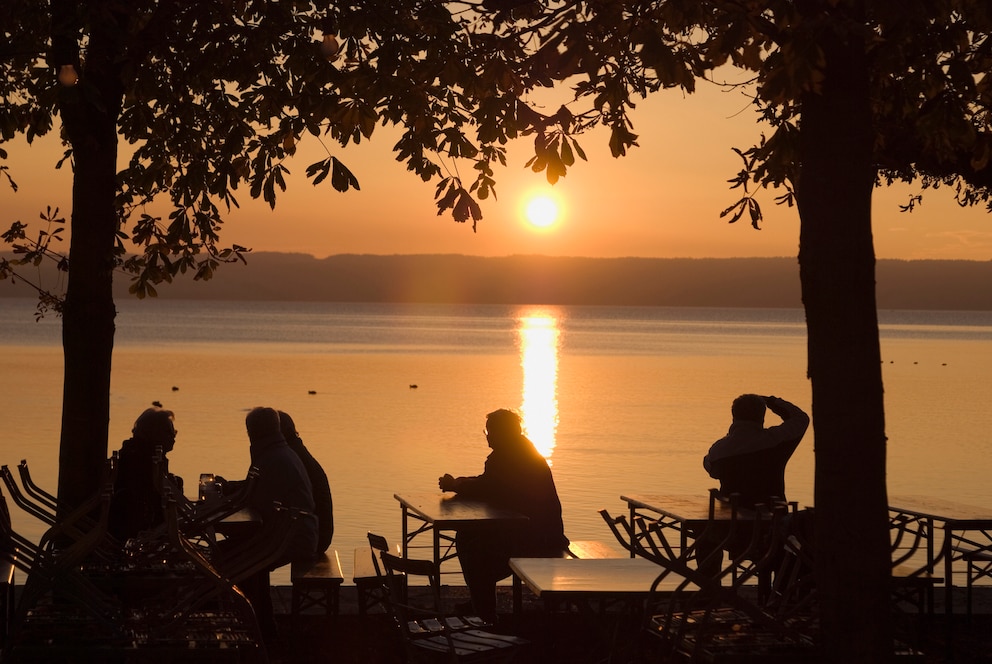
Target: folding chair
{"points": [[40, 495], [428, 634], [370, 579], [69, 524], [60, 606], [706, 620]]}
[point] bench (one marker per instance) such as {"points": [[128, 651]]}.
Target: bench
{"points": [[317, 584], [593, 549]]}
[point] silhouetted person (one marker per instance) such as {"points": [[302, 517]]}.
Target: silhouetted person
{"points": [[750, 460], [137, 504], [517, 478], [323, 504], [283, 479]]}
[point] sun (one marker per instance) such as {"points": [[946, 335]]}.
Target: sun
{"points": [[542, 211]]}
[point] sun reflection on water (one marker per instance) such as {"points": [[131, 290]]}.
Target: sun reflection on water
{"points": [[538, 331]]}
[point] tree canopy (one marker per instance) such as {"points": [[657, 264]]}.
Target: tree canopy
{"points": [[217, 95], [213, 98]]}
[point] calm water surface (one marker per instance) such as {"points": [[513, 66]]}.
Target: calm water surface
{"points": [[621, 400]]}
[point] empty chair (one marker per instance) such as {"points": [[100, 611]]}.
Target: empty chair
{"points": [[369, 574], [428, 633], [63, 521], [59, 603], [704, 619], [33, 490]]}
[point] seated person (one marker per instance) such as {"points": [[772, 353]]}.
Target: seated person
{"points": [[750, 463], [516, 477], [751, 459], [323, 504], [283, 479], [136, 504]]}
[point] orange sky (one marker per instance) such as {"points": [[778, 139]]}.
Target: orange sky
{"points": [[661, 200]]}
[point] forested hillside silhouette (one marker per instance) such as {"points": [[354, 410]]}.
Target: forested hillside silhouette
{"points": [[677, 282]]}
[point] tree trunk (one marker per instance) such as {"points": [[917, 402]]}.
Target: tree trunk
{"points": [[837, 272], [89, 115]]}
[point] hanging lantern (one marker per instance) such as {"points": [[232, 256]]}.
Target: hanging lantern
{"points": [[68, 76], [329, 47]]}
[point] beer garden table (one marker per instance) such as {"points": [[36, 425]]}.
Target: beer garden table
{"points": [[682, 515], [967, 530], [561, 582], [441, 515], [556, 580]]}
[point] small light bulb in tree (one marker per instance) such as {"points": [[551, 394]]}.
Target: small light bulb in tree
{"points": [[68, 76], [329, 47]]}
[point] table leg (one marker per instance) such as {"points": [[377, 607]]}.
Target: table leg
{"points": [[518, 602]]}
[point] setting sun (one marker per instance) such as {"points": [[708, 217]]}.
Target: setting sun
{"points": [[542, 211]]}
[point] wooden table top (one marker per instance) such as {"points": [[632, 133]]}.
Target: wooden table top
{"points": [[940, 509], [448, 510], [586, 576], [244, 521], [688, 508]]}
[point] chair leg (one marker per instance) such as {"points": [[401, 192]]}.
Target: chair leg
{"points": [[968, 587]]}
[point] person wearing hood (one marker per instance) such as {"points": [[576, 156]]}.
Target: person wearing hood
{"points": [[323, 504], [136, 504], [281, 479]]}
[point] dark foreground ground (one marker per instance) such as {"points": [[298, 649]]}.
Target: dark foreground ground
{"points": [[575, 637]]}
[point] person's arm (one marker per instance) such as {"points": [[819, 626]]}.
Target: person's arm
{"points": [[478, 486], [795, 421], [448, 483], [460, 484]]}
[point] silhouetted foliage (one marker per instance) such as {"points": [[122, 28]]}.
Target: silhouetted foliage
{"points": [[215, 96]]}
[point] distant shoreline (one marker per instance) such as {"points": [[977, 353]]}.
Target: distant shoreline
{"points": [[954, 285]]}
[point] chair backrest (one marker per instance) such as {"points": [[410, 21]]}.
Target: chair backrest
{"points": [[908, 536], [8, 545], [615, 524], [14, 547], [44, 497], [409, 568], [377, 544], [38, 511]]}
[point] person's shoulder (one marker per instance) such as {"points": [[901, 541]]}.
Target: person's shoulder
{"points": [[719, 443]]}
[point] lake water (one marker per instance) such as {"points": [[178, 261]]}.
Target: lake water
{"points": [[389, 397]]}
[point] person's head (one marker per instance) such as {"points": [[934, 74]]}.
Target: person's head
{"points": [[748, 408], [287, 426], [156, 427], [502, 425], [263, 426]]}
